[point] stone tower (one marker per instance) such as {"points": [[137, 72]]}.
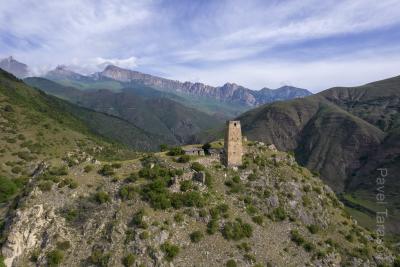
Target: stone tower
{"points": [[233, 144]]}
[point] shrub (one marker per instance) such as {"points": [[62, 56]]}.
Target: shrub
{"points": [[212, 227], [129, 260], [59, 171], [313, 228], [144, 235], [127, 192], [306, 201], [349, 237], [231, 263], [236, 179], [99, 258], [116, 165], [102, 197], [251, 209], [132, 177], [258, 219], [107, 170], [237, 230], [252, 177], [7, 189], [163, 147], [176, 151], [25, 155], [178, 217], [186, 185], [54, 257], [63, 245], [33, 257], [197, 167], [220, 210], [317, 189], [156, 172], [8, 108], [137, 219], [88, 168], [279, 214], [45, 185], [183, 159], [71, 215], [209, 180], [157, 194], [244, 246], [249, 257], [169, 250], [187, 199], [396, 262], [68, 182], [196, 236], [308, 246], [296, 237], [16, 169]]}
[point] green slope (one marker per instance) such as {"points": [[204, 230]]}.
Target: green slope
{"points": [[150, 110], [79, 118]]}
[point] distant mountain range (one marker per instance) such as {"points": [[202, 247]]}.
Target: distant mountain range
{"points": [[229, 92], [224, 101], [228, 100]]}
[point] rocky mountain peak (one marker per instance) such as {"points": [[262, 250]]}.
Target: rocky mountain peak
{"points": [[11, 65], [63, 72]]}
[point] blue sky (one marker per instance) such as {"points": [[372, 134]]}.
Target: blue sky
{"points": [[311, 44]]}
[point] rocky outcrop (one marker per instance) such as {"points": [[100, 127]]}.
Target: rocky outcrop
{"points": [[26, 232]]}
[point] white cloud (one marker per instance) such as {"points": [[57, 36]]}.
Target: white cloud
{"points": [[325, 74], [127, 63]]}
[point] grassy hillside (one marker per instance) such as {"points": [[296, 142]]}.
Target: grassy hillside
{"points": [[148, 109]]}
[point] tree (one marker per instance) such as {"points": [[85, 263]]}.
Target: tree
{"points": [[163, 147]]}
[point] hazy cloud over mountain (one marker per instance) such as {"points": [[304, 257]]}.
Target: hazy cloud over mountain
{"points": [[312, 44]]}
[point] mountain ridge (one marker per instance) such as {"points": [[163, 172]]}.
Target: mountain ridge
{"points": [[229, 92]]}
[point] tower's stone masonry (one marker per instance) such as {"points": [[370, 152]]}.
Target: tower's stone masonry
{"points": [[233, 144]]}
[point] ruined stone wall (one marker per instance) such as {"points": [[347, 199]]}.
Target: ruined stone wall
{"points": [[233, 144]]}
